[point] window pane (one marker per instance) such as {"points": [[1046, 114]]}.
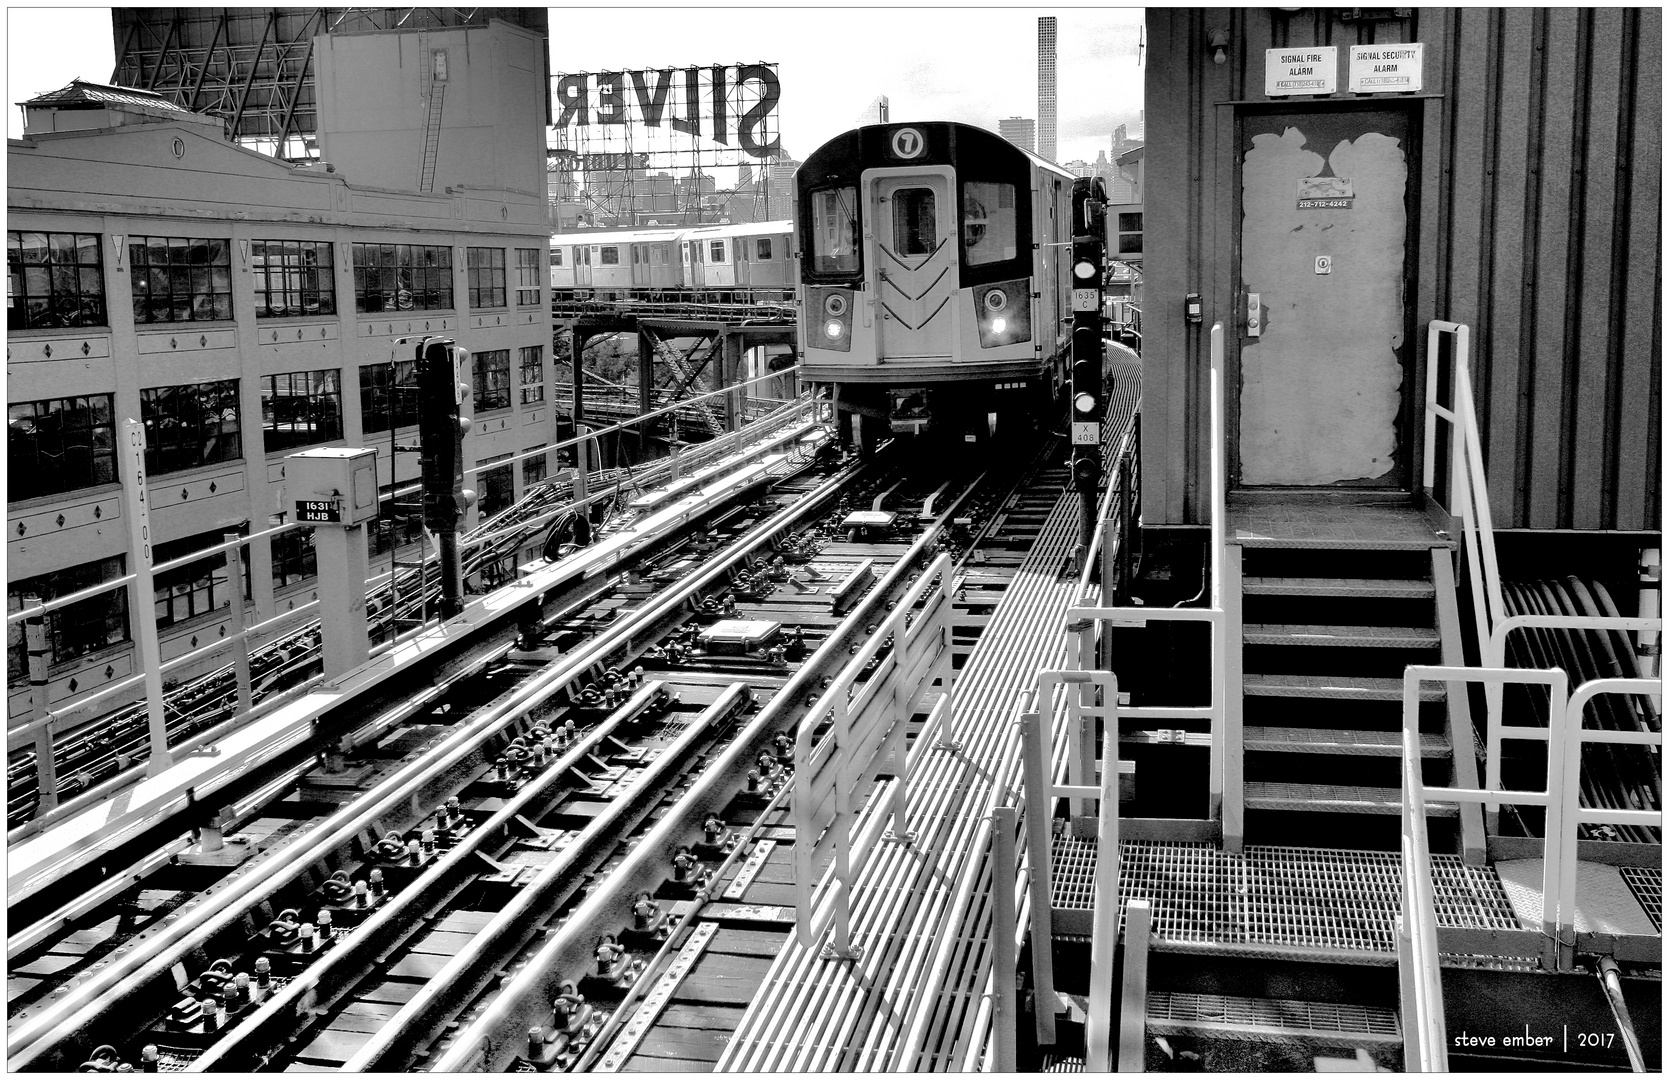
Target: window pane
{"points": [[989, 228], [56, 280], [914, 230], [834, 230]]}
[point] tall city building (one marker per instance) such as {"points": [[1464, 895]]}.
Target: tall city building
{"points": [[1020, 131], [1046, 86]]}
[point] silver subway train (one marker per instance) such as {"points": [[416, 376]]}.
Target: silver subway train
{"points": [[934, 290], [702, 263]]}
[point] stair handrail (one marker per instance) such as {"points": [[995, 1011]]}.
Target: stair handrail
{"points": [[1425, 1047], [1466, 484]]}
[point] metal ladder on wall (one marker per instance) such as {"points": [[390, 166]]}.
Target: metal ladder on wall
{"points": [[431, 136]]}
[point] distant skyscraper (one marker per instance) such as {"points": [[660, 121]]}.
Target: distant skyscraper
{"points": [[876, 112], [1019, 131], [1046, 87]]}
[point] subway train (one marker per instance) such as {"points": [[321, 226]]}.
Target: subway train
{"points": [[745, 263], [933, 271]]}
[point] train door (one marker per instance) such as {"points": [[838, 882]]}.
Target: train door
{"points": [[1326, 350], [913, 275], [582, 265]]}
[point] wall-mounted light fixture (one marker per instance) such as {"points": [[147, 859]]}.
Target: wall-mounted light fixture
{"points": [[1217, 43]]}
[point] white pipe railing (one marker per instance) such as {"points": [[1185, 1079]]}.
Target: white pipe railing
{"points": [[832, 768], [1425, 1045]]}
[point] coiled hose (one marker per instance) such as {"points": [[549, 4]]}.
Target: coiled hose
{"points": [[1613, 776]]}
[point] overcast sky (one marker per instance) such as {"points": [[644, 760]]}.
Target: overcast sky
{"points": [[977, 65]]}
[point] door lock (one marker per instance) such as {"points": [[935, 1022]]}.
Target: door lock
{"points": [[1254, 315]]}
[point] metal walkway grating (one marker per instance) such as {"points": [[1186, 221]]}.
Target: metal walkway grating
{"points": [[1221, 1013], [1646, 883], [1279, 899]]}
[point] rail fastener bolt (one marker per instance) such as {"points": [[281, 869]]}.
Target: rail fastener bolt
{"points": [[609, 953], [150, 1058], [683, 862]]}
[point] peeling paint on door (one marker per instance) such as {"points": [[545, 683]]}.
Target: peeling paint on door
{"points": [[1321, 388]]}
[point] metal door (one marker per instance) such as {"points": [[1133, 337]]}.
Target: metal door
{"points": [[913, 273], [1323, 303]]}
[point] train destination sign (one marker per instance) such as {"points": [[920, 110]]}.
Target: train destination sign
{"points": [[1386, 69], [1311, 69]]}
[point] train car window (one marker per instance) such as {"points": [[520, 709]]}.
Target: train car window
{"points": [[990, 230], [764, 249], [556, 256], [718, 251], [915, 229], [611, 256], [834, 230]]}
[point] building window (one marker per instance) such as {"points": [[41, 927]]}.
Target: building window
{"points": [[300, 408], [764, 249], [196, 588], [399, 519], [176, 279], [191, 425], [293, 558], [492, 380], [293, 277], [527, 275], [497, 486], [74, 631], [533, 374], [486, 277], [535, 468], [54, 280], [59, 445], [1129, 234], [387, 396], [402, 277]]}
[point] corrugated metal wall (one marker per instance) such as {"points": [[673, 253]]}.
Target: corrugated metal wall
{"points": [[1539, 226]]}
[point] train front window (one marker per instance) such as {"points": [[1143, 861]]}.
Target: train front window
{"points": [[834, 230], [914, 225], [990, 229]]}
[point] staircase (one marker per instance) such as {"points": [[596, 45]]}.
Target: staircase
{"points": [[1334, 605], [431, 136]]}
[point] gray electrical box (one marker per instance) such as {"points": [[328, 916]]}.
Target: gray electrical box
{"points": [[335, 484]]}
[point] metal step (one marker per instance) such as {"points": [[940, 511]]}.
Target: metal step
{"points": [[1226, 1016], [1299, 740], [1335, 799], [1341, 687], [1368, 637], [1364, 588]]}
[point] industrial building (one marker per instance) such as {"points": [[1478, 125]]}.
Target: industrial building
{"points": [[244, 308]]}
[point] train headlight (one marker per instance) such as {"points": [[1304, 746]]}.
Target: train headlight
{"points": [[828, 318], [1003, 313]]}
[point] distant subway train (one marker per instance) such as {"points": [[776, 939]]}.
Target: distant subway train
{"points": [[705, 263], [933, 279]]}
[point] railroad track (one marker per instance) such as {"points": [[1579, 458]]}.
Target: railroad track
{"points": [[199, 937], [680, 979], [68, 945], [105, 746]]}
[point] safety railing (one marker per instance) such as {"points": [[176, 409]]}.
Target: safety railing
{"points": [[862, 720], [1226, 794], [1561, 797], [1459, 486], [1112, 545], [1082, 714]]}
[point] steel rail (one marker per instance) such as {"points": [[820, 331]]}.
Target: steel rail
{"points": [[525, 999], [343, 967], [125, 977]]}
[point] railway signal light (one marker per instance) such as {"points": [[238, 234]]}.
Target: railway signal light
{"points": [[1089, 254], [441, 428]]}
